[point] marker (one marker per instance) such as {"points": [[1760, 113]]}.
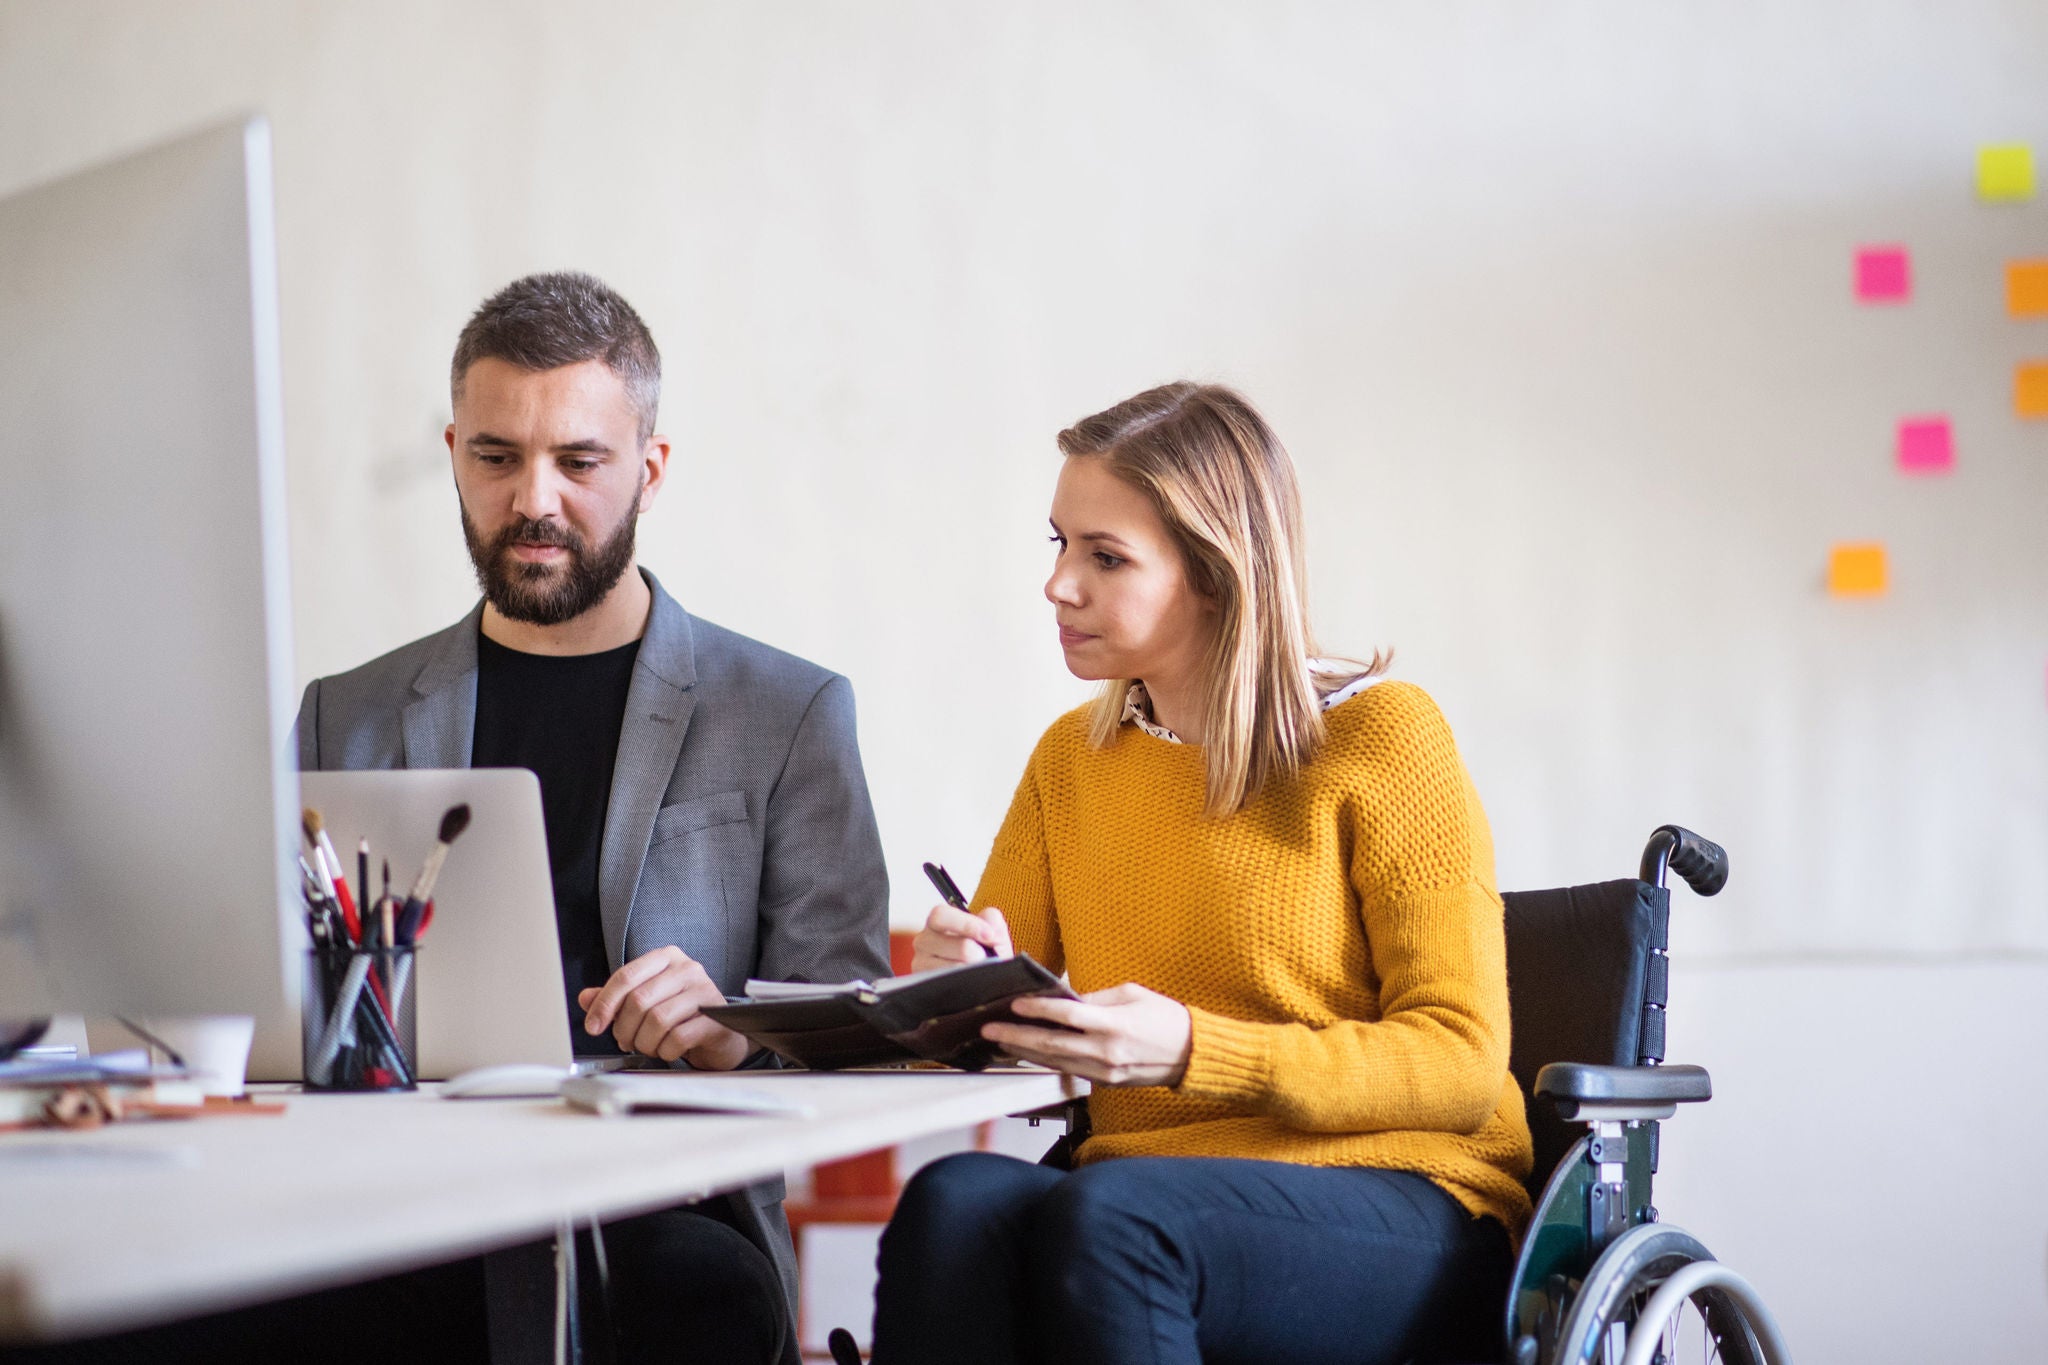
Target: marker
{"points": [[363, 873]]}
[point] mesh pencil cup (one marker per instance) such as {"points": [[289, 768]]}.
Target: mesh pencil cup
{"points": [[360, 1019]]}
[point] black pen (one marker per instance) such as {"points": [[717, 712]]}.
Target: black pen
{"points": [[948, 892]]}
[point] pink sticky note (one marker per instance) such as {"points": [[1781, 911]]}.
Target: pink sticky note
{"points": [[1927, 445], [1884, 274]]}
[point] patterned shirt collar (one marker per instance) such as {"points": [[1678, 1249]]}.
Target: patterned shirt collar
{"points": [[1138, 705], [1138, 712]]}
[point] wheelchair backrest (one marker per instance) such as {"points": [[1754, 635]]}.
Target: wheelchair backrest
{"points": [[1587, 981]]}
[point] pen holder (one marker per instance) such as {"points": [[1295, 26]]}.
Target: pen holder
{"points": [[359, 1019]]}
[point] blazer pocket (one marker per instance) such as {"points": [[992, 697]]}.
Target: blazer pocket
{"points": [[698, 812]]}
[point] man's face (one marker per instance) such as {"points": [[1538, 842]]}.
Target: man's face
{"points": [[551, 474]]}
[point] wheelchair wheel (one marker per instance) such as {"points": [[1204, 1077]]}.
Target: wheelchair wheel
{"points": [[1657, 1297]]}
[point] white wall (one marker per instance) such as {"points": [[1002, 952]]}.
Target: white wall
{"points": [[1551, 304], [1871, 1158]]}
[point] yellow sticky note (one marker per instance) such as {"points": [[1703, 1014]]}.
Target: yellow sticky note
{"points": [[2030, 388], [2005, 173], [1856, 570], [2026, 288]]}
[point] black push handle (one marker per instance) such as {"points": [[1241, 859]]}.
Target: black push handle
{"points": [[1702, 862]]}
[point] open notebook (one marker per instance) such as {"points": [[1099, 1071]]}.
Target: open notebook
{"points": [[934, 1016]]}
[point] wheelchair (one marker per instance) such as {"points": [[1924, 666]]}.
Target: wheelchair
{"points": [[1600, 1278]]}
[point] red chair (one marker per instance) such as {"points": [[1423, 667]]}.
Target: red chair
{"points": [[859, 1189]]}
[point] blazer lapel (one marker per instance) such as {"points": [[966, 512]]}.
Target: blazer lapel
{"points": [[658, 706], [439, 727]]}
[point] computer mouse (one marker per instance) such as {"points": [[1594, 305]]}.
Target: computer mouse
{"points": [[512, 1081]]}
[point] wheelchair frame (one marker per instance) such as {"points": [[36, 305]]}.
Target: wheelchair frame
{"points": [[1600, 1278]]}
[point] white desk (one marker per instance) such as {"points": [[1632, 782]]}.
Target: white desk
{"points": [[155, 1221]]}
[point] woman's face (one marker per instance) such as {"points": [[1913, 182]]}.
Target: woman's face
{"points": [[1118, 588]]}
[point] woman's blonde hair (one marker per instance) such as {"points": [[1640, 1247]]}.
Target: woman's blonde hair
{"points": [[1225, 488]]}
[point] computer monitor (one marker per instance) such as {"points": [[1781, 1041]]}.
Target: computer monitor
{"points": [[148, 818]]}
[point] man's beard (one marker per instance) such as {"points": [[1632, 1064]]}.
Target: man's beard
{"points": [[548, 594]]}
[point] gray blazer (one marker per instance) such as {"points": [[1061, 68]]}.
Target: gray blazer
{"points": [[739, 827]]}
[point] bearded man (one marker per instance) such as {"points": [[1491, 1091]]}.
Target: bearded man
{"points": [[707, 816]]}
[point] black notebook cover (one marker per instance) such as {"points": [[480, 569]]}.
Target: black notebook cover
{"points": [[933, 1015], [822, 1032]]}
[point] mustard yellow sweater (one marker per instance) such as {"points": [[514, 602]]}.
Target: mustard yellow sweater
{"points": [[1338, 943]]}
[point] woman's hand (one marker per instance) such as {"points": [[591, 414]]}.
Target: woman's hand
{"points": [[951, 937], [1125, 1035]]}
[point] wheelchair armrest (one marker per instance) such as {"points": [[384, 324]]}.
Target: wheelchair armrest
{"points": [[1583, 1091]]}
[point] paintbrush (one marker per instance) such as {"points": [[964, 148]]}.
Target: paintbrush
{"points": [[418, 910], [452, 824], [330, 871]]}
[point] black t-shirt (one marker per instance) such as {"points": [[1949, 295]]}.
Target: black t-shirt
{"points": [[560, 716]]}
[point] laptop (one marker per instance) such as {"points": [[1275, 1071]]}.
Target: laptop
{"points": [[489, 971]]}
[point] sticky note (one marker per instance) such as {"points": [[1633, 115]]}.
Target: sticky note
{"points": [[1884, 274], [1927, 445], [1856, 570], [2005, 173], [2026, 288], [2030, 388]]}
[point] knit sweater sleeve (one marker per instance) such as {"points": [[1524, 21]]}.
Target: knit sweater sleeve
{"points": [[1422, 869], [1018, 876]]}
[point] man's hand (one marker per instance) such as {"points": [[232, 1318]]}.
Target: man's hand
{"points": [[650, 1005], [1126, 1035]]}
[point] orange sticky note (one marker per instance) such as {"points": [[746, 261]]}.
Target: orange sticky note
{"points": [[2030, 388], [2026, 288], [1856, 570]]}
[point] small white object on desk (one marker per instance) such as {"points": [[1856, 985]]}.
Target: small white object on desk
{"points": [[512, 1081], [215, 1049], [649, 1092]]}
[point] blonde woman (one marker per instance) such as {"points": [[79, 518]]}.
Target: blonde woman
{"points": [[1272, 882]]}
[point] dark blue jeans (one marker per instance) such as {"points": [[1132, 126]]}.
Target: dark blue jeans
{"points": [[1150, 1260]]}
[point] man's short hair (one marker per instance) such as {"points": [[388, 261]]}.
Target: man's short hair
{"points": [[543, 322]]}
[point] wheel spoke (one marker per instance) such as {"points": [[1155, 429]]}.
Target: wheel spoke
{"points": [[1611, 1306]]}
